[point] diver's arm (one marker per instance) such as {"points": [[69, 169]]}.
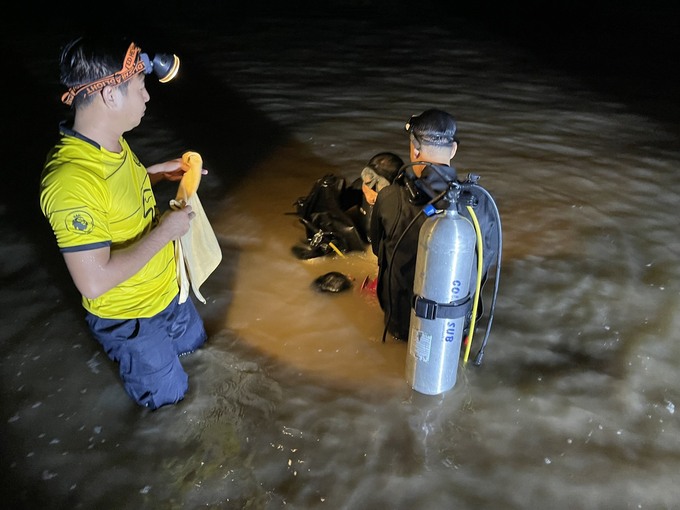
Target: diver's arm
{"points": [[376, 227], [97, 271]]}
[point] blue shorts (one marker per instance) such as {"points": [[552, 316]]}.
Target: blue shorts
{"points": [[147, 351]]}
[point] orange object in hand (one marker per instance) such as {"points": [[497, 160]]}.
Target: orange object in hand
{"points": [[192, 164]]}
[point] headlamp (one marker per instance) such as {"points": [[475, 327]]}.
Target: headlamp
{"points": [[163, 65], [409, 124]]}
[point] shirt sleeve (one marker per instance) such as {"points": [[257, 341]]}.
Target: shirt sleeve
{"points": [[76, 204]]}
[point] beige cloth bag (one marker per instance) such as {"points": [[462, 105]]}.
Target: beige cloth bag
{"points": [[197, 253]]}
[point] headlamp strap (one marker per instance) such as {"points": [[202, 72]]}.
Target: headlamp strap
{"points": [[132, 65]]}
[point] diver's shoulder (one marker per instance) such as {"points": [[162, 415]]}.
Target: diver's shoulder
{"points": [[390, 192]]}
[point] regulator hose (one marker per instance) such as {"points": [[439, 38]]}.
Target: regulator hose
{"points": [[480, 354], [478, 282]]}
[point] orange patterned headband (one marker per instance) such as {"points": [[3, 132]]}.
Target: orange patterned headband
{"points": [[131, 66]]}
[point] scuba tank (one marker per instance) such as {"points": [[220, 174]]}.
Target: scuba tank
{"points": [[443, 297], [445, 293]]}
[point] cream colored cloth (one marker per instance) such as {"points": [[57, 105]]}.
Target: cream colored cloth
{"points": [[197, 253]]}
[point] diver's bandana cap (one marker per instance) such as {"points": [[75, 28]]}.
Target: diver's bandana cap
{"points": [[432, 127], [163, 65]]}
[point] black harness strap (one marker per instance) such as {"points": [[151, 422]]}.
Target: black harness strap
{"points": [[428, 309]]}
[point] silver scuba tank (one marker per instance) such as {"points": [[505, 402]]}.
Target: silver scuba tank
{"points": [[446, 254]]}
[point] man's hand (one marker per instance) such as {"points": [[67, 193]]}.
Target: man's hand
{"points": [[175, 223], [370, 194], [172, 170]]}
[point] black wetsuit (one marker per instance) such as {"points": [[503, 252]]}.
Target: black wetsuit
{"points": [[394, 209], [391, 215]]}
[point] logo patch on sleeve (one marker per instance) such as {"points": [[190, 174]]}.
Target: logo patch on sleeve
{"points": [[79, 222]]}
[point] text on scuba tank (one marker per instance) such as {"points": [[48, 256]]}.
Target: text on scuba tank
{"points": [[456, 287], [450, 332]]}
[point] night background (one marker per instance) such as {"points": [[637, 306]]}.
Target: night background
{"points": [[626, 48]]}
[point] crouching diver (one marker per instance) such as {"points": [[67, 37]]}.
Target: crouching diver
{"points": [[336, 216], [413, 262]]}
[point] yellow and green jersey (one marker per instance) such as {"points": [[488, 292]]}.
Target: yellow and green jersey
{"points": [[95, 198]]}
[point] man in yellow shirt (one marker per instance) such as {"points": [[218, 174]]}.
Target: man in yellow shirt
{"points": [[97, 197]]}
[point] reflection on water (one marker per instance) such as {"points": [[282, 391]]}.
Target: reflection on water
{"points": [[296, 402]]}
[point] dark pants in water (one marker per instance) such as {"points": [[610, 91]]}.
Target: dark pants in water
{"points": [[147, 351]]}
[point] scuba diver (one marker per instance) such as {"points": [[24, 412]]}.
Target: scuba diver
{"points": [[379, 172], [398, 215], [336, 216]]}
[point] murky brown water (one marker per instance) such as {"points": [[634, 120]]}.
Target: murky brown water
{"points": [[295, 402]]}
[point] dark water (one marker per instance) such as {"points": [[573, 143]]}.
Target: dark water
{"points": [[295, 402]]}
